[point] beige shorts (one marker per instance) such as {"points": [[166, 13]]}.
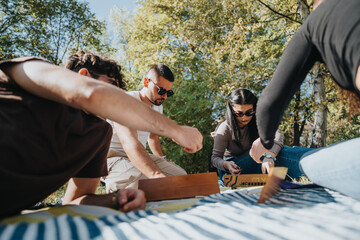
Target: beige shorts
{"points": [[123, 174]]}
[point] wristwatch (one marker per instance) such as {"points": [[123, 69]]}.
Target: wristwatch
{"points": [[267, 155]]}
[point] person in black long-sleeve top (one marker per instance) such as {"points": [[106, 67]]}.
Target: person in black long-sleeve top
{"points": [[331, 34]]}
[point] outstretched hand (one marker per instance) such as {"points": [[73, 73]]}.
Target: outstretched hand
{"points": [[257, 150], [232, 167], [266, 165], [190, 138], [131, 199]]}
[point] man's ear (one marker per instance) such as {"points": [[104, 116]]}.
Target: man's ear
{"points": [[146, 82], [84, 72]]}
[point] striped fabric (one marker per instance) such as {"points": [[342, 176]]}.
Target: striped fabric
{"points": [[292, 214]]}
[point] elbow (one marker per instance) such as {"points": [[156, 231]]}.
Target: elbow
{"points": [[88, 96]]}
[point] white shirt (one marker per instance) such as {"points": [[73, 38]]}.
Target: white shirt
{"points": [[115, 145]]}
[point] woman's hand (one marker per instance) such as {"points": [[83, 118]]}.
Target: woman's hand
{"points": [[267, 164], [232, 167]]}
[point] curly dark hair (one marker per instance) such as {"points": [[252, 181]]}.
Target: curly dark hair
{"points": [[95, 65]]}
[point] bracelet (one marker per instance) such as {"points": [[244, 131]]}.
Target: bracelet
{"points": [[267, 155], [114, 200]]}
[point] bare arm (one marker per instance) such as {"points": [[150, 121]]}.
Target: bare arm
{"points": [[155, 145], [64, 86], [136, 152], [82, 191]]}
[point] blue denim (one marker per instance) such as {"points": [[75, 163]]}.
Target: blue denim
{"points": [[288, 157], [336, 167]]}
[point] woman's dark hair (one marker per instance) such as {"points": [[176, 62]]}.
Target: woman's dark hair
{"points": [[95, 65], [241, 96]]}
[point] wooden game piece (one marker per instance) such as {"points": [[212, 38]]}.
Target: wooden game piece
{"points": [[272, 185], [245, 180], [176, 187]]}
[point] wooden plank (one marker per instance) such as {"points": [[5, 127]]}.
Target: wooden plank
{"points": [[245, 180], [184, 186], [272, 185]]}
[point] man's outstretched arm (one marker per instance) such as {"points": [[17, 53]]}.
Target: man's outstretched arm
{"points": [[82, 191], [155, 144], [137, 153], [64, 86]]}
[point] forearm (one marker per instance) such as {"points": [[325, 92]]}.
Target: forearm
{"points": [[64, 86], [298, 58], [81, 191], [114, 104], [221, 142], [218, 162], [140, 158], [93, 199], [155, 145], [278, 143]]}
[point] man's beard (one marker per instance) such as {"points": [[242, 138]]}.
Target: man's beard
{"points": [[157, 102]]}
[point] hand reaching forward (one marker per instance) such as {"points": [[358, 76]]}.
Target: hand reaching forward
{"points": [[232, 167], [190, 138], [267, 164], [131, 199], [257, 150]]}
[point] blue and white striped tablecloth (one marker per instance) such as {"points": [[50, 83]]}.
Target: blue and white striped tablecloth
{"points": [[292, 214]]}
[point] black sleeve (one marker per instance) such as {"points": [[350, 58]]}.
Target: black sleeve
{"points": [[296, 61]]}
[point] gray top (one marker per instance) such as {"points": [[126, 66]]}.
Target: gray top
{"points": [[224, 146]]}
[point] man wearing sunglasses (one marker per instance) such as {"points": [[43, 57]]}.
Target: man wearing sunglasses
{"points": [[128, 160], [53, 130]]}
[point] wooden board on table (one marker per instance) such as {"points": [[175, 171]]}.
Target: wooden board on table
{"points": [[245, 180], [272, 185], [176, 187]]}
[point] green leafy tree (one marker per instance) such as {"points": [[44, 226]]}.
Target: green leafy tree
{"points": [[213, 47], [49, 29]]}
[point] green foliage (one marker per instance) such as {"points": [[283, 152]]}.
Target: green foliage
{"points": [[213, 47], [339, 126], [48, 29]]}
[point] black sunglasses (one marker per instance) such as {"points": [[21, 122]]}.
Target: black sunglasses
{"points": [[162, 91], [241, 114]]}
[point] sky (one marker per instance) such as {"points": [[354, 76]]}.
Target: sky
{"points": [[102, 7]]}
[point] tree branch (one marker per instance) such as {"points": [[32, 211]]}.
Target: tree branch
{"points": [[278, 13]]}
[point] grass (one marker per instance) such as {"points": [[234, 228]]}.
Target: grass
{"points": [[57, 195], [302, 179]]}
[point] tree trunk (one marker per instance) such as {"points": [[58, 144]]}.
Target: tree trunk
{"points": [[320, 120], [304, 13], [319, 130]]}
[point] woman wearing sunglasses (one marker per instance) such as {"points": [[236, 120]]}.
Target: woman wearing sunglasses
{"points": [[234, 138]]}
